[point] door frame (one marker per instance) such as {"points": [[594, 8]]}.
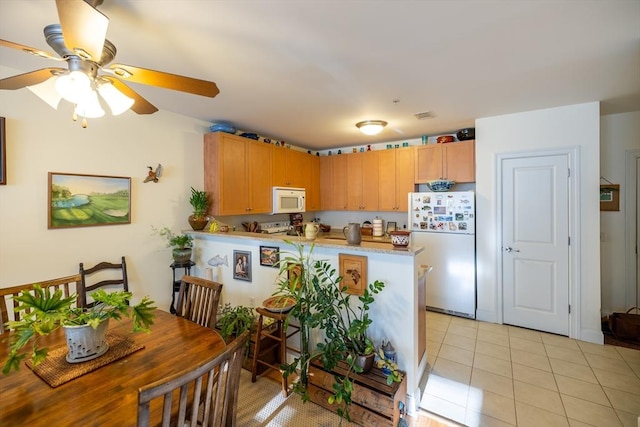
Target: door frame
{"points": [[630, 202], [573, 157]]}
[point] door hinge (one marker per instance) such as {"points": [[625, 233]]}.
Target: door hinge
{"points": [[569, 308], [569, 240], [569, 173]]}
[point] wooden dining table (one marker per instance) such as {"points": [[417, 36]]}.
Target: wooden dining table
{"points": [[107, 396]]}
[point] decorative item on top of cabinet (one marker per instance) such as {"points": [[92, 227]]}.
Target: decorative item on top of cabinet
{"points": [[454, 161], [237, 174]]}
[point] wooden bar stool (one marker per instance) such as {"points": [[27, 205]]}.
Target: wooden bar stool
{"points": [[276, 337]]}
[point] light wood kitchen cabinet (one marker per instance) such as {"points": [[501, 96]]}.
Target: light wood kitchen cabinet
{"points": [[395, 178], [454, 161], [333, 179], [237, 174], [362, 181], [313, 192], [291, 168]]}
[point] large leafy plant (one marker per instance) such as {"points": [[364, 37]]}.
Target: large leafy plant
{"points": [[234, 321], [322, 304], [43, 311]]}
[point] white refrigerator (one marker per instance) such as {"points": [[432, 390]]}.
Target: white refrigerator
{"points": [[444, 223]]}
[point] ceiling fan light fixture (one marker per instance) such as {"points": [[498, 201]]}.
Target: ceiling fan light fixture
{"points": [[90, 107], [74, 87], [117, 101], [371, 127], [47, 92]]}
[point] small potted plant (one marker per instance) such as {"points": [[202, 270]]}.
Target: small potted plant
{"points": [[389, 367], [43, 311], [181, 243], [199, 201], [234, 321]]}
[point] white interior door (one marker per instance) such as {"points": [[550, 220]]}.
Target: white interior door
{"points": [[535, 246]]}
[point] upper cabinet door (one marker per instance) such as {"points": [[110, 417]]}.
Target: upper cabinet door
{"points": [[460, 161], [237, 174], [454, 161]]}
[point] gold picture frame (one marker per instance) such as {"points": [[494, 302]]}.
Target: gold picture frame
{"points": [[610, 197], [79, 200], [353, 269]]}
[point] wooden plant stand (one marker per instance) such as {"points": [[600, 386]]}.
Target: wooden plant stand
{"points": [[373, 402]]}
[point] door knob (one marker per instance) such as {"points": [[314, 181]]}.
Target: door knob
{"points": [[510, 249]]}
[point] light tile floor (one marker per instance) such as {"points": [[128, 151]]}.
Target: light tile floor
{"points": [[484, 374]]}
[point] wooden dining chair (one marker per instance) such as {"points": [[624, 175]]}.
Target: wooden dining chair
{"points": [[205, 395], [102, 275], [68, 285], [198, 300]]}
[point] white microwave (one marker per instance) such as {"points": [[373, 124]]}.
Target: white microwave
{"points": [[288, 200]]}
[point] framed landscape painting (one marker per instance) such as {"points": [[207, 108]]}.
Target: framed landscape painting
{"points": [[88, 200]]}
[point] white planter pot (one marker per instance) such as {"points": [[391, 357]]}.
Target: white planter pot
{"points": [[85, 343]]}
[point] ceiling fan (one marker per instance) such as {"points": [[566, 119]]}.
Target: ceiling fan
{"points": [[80, 41]]}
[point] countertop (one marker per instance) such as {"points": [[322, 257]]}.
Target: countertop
{"points": [[332, 239]]}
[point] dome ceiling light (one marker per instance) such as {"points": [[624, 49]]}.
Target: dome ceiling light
{"points": [[371, 127]]}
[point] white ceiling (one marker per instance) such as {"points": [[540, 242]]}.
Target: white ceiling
{"points": [[305, 71]]}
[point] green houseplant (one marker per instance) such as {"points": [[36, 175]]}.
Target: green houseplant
{"points": [[199, 201], [43, 311], [181, 244], [321, 304], [234, 321]]}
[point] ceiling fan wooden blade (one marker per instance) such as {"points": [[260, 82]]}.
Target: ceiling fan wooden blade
{"points": [[30, 50], [140, 105], [84, 28], [165, 80], [29, 79]]}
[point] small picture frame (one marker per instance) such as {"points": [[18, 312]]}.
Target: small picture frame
{"points": [[242, 265], [269, 256], [294, 273], [610, 197], [353, 269]]}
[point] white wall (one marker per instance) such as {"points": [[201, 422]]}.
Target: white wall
{"points": [[42, 140], [619, 133], [570, 126]]}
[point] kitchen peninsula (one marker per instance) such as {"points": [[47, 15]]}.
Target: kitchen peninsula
{"points": [[398, 313]]}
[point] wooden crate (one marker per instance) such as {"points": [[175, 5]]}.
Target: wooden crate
{"points": [[374, 403]]}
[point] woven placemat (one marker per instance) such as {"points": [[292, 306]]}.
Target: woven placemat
{"points": [[55, 370]]}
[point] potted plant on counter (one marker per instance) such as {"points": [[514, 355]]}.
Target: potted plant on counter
{"points": [[199, 201], [43, 311], [181, 244]]}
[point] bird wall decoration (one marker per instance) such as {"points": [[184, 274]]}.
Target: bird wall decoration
{"points": [[153, 175]]}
